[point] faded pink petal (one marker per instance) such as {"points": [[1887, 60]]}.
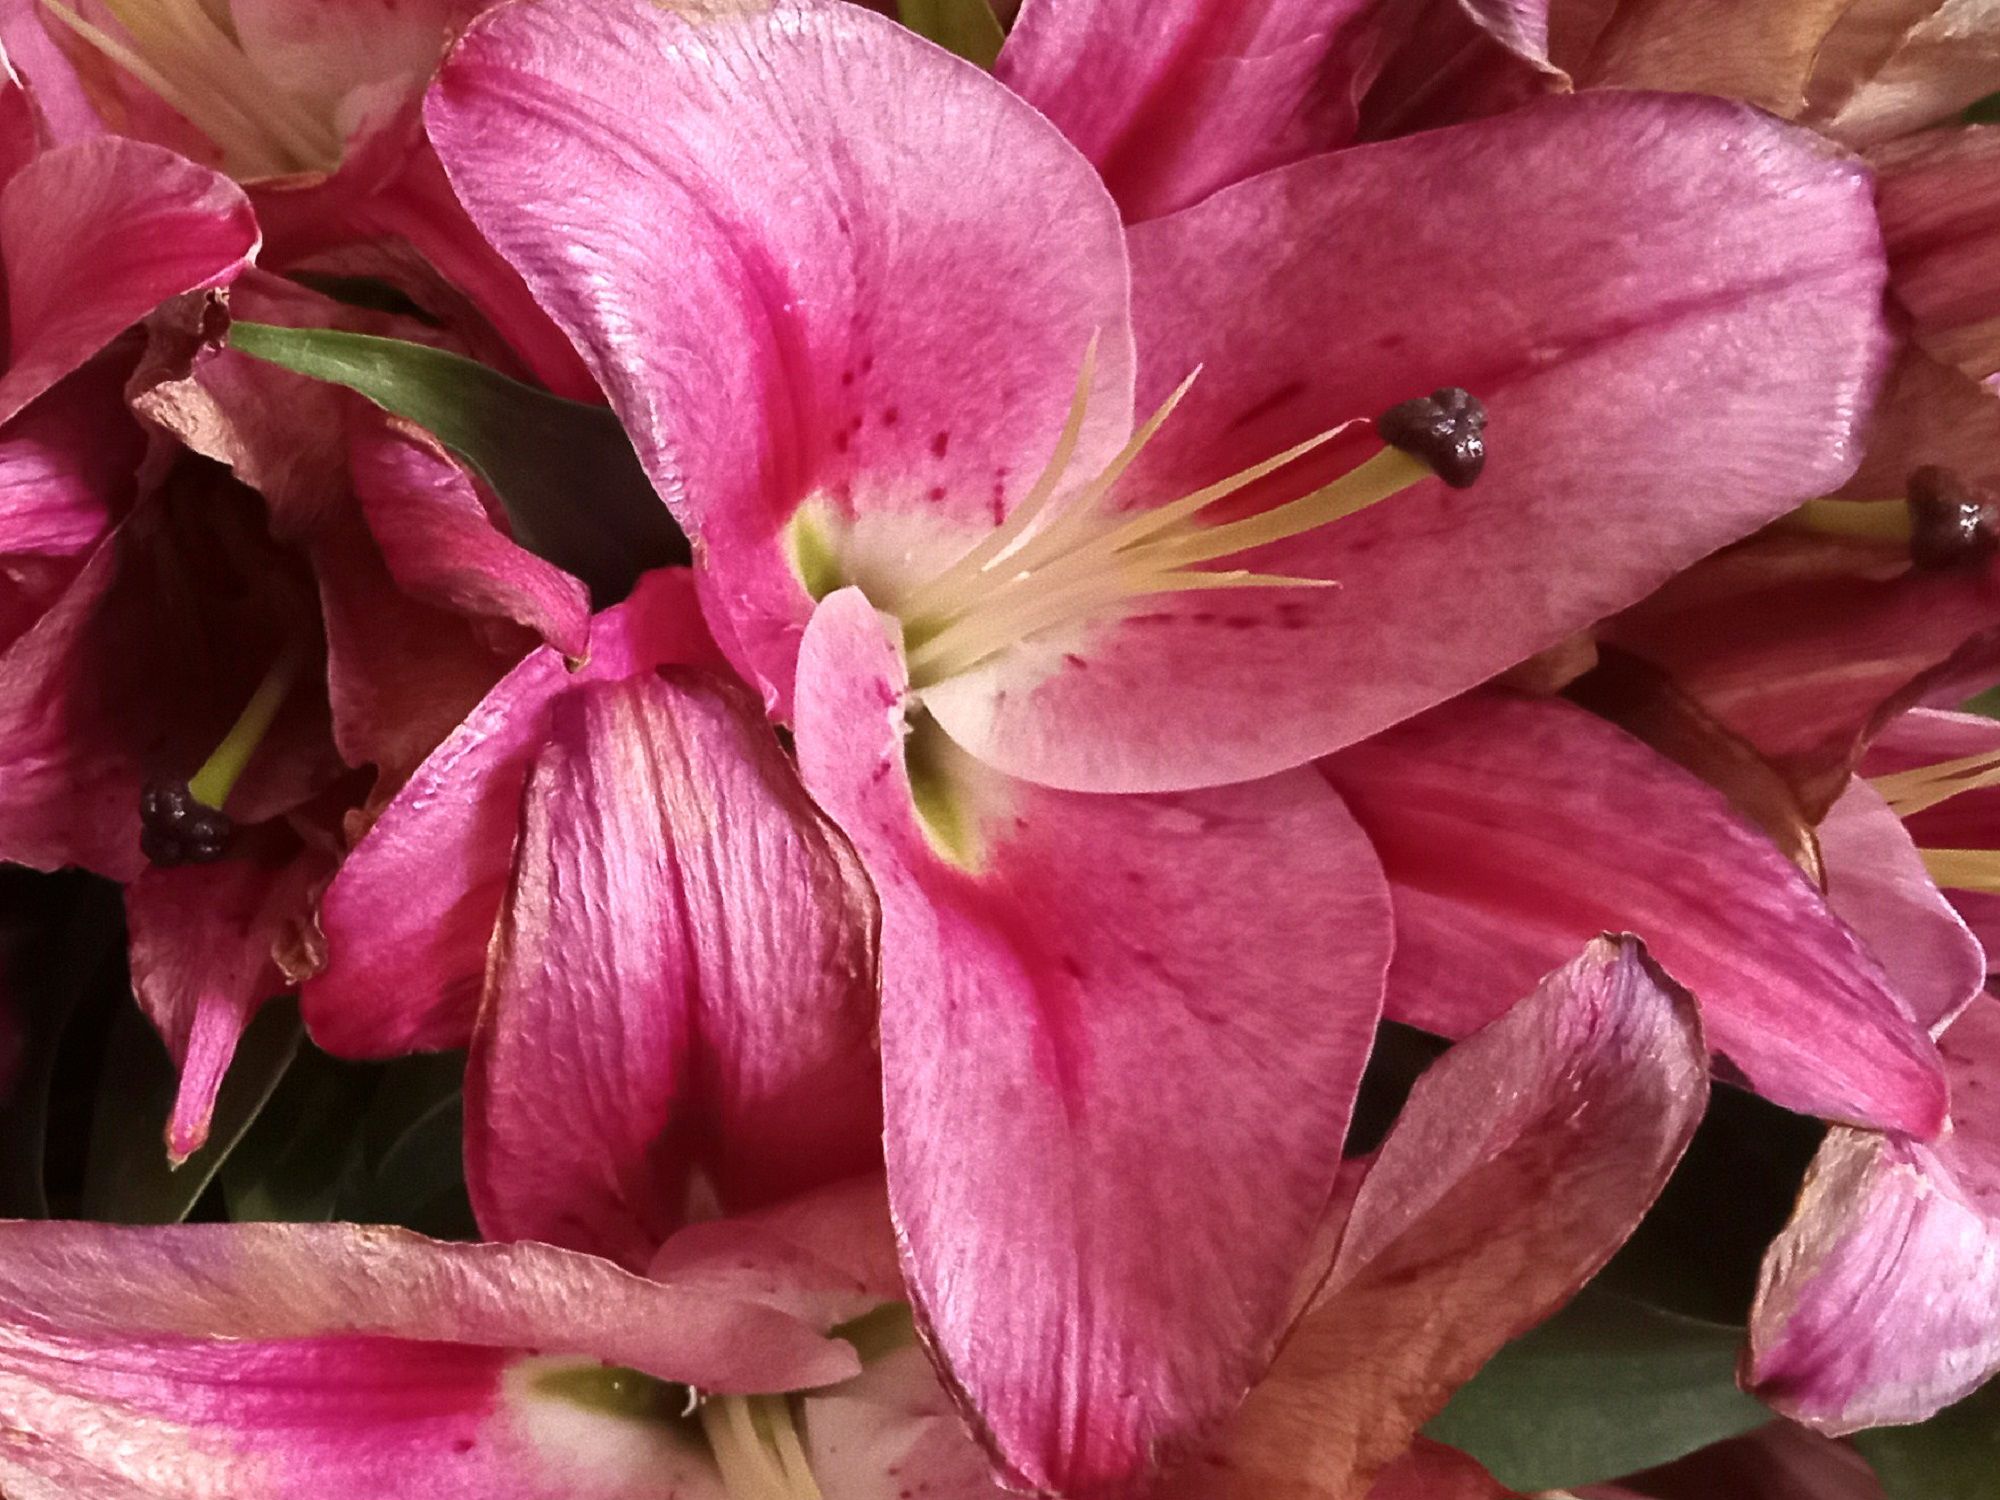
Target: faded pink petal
{"points": [[1172, 99], [826, 1256], [1761, 51], [1912, 63], [439, 539], [1939, 193], [291, 1361], [894, 1432], [408, 917], [1876, 884], [1446, 61], [682, 983], [1100, 1015], [202, 960], [65, 111], [1513, 828], [1806, 645], [1523, 1159], [912, 384], [1568, 263], [94, 237], [1877, 1302]]}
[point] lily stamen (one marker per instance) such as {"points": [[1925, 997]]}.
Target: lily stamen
{"points": [[1976, 870], [1923, 787], [1063, 555], [757, 1448], [180, 52], [183, 822]]}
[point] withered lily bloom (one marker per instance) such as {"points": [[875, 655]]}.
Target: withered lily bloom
{"points": [[1058, 669]]}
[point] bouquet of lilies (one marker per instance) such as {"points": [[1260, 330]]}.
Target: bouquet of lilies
{"points": [[1109, 749]]}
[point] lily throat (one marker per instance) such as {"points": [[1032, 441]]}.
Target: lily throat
{"points": [[1065, 554]]}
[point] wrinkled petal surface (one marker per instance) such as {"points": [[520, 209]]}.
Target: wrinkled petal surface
{"points": [[408, 917], [1100, 1015], [683, 979], [1512, 829], [1522, 1160], [1876, 1303], [1940, 193]]}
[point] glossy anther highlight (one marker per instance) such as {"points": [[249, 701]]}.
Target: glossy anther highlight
{"points": [[178, 828], [1446, 429], [1951, 525]]}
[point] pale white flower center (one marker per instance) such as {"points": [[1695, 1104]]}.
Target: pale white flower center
{"points": [[1065, 554], [189, 56], [757, 1448]]}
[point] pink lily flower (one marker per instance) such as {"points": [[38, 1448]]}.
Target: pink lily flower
{"points": [[847, 385]]}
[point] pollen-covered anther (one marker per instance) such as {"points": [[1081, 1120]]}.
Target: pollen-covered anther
{"points": [[1952, 525], [178, 828], [1446, 429]]}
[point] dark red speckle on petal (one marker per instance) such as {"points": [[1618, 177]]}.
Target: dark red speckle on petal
{"points": [[940, 444], [891, 415], [937, 492]]}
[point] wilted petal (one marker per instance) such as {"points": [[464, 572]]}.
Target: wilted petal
{"points": [[1172, 99], [1939, 192], [1876, 884], [202, 943], [438, 537], [1780, 1461], [95, 236], [1911, 63], [1761, 51], [408, 917], [1512, 829], [1049, 960], [835, 269], [1523, 1159], [292, 1361], [1567, 263], [1877, 1302], [683, 979], [1431, 1471]]}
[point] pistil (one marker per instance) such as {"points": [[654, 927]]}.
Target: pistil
{"points": [[183, 822], [1063, 555]]}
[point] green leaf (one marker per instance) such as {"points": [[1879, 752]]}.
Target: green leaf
{"points": [[1953, 1456], [1987, 703], [1606, 1387], [290, 1166], [413, 1166], [572, 486], [967, 27], [127, 1178]]}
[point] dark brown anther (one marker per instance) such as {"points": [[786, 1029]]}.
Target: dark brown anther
{"points": [[178, 829], [1951, 524], [1446, 429]]}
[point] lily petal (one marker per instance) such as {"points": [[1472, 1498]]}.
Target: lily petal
{"points": [[1876, 1303], [1568, 263], [1173, 100], [95, 236], [290, 1360], [1938, 192], [1970, 820], [1523, 1159], [408, 917], [1049, 961], [203, 937], [840, 276], [1513, 828], [683, 979], [1876, 884], [439, 539]]}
